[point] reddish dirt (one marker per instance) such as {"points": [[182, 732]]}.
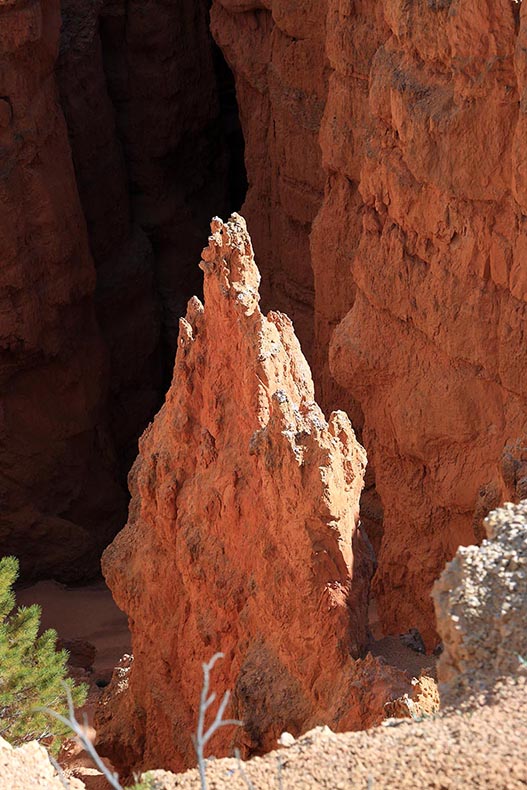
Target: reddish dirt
{"points": [[90, 615], [83, 613]]}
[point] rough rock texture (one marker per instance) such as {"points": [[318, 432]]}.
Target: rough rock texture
{"points": [[125, 301], [485, 749], [481, 608], [413, 115], [422, 701], [432, 346], [242, 537], [29, 767], [276, 51], [59, 502]]}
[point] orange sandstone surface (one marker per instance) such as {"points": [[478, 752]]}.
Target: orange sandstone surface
{"points": [[385, 143], [477, 740], [242, 537]]}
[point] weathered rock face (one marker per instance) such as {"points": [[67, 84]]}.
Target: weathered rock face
{"points": [[59, 501], [242, 534], [125, 300], [160, 78], [417, 248], [481, 608], [276, 51], [432, 346]]}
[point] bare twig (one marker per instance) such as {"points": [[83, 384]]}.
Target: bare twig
{"points": [[71, 722], [280, 777], [203, 735], [60, 773], [242, 771]]}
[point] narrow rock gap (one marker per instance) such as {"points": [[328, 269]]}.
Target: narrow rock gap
{"points": [[179, 178], [157, 149], [232, 132]]}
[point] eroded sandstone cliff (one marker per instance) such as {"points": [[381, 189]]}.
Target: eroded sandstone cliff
{"points": [[242, 537], [276, 51], [410, 117], [99, 219], [385, 155], [433, 345], [59, 501]]}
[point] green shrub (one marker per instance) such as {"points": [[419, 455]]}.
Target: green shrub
{"points": [[32, 672]]}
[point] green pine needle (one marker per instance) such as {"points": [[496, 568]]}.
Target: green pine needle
{"points": [[32, 671]]}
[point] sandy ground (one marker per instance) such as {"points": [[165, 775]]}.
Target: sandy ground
{"points": [[483, 747], [88, 613]]}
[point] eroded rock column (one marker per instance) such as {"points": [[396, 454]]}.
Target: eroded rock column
{"points": [[242, 536]]}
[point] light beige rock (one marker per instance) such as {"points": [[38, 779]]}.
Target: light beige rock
{"points": [[481, 607], [28, 768]]}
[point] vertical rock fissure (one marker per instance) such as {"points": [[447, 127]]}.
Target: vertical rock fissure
{"points": [[229, 119], [153, 143], [120, 136], [177, 118]]}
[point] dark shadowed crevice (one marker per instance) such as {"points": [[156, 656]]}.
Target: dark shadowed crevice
{"points": [[232, 131], [158, 150], [177, 119]]}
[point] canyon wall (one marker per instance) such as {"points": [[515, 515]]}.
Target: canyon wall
{"points": [[125, 299], [433, 345], [416, 252], [242, 538], [60, 503], [276, 51], [140, 96], [387, 190], [113, 159]]}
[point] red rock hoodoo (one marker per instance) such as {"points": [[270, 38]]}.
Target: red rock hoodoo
{"points": [[242, 535], [385, 140]]}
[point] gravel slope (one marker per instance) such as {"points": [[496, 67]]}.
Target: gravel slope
{"points": [[483, 745]]}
